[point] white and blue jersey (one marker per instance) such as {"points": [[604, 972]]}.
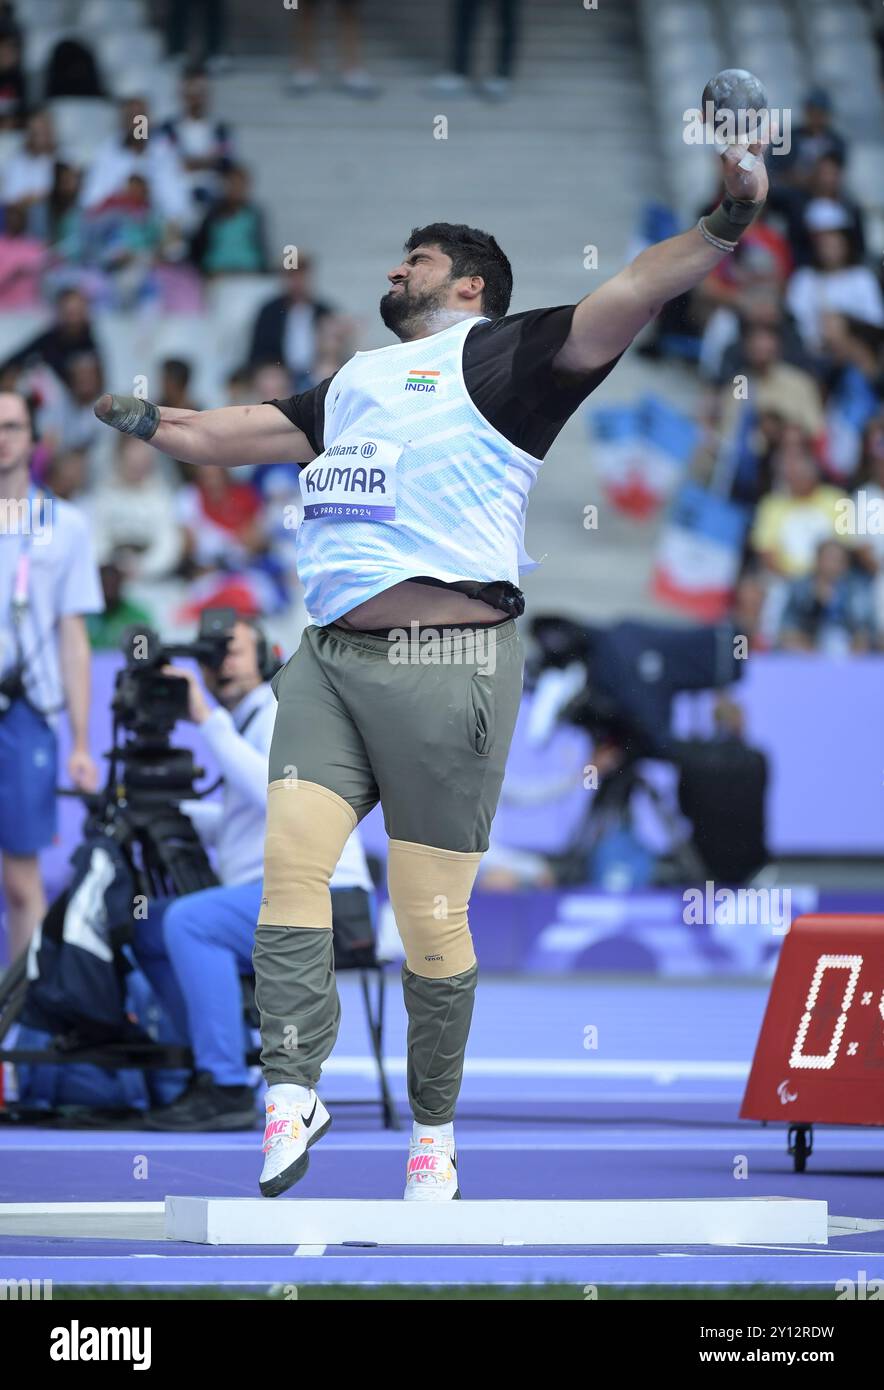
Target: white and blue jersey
{"points": [[413, 480], [428, 451]]}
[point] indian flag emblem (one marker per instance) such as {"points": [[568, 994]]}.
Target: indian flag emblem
{"points": [[422, 381]]}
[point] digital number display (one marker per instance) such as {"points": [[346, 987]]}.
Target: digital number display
{"points": [[820, 1053]]}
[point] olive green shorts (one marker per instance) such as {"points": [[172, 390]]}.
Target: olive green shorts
{"points": [[421, 722]]}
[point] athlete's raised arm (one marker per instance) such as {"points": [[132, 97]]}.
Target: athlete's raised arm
{"points": [[231, 435], [606, 321]]}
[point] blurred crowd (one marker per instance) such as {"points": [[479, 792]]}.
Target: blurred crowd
{"points": [[138, 230], [158, 211], [788, 336]]}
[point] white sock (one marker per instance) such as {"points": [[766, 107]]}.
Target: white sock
{"points": [[286, 1094], [434, 1132]]}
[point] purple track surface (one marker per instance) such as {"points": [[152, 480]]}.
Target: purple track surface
{"points": [[650, 1112]]}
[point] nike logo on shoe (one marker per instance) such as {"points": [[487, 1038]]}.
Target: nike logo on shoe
{"points": [[308, 1120]]}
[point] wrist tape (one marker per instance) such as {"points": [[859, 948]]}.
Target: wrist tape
{"points": [[731, 218], [131, 415]]}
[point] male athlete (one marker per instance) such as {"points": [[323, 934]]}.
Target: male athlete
{"points": [[418, 460]]}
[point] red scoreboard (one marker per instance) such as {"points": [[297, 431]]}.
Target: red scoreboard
{"points": [[820, 1054]]}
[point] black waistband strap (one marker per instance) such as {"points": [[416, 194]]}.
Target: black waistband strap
{"points": [[498, 594], [418, 629]]}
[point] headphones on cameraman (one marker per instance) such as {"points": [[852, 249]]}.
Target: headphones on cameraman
{"points": [[269, 658]]}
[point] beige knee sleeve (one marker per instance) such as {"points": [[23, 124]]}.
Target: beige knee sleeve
{"points": [[307, 827], [430, 889]]}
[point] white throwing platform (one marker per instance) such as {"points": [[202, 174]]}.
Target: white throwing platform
{"points": [[288, 1221], [83, 1220]]}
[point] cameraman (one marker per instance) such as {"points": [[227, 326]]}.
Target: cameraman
{"points": [[48, 583], [195, 948]]}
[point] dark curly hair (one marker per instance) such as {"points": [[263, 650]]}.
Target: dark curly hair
{"points": [[472, 252]]}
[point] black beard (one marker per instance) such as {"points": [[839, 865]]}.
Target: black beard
{"points": [[405, 313]]}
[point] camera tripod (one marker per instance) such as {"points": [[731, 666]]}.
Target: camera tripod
{"points": [[137, 809]]}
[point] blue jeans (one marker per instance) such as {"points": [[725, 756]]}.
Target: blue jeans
{"points": [[193, 951]]}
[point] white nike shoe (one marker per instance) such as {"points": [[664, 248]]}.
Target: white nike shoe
{"points": [[431, 1173], [292, 1128]]}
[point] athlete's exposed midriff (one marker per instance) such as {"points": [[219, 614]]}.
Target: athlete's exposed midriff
{"points": [[408, 602]]}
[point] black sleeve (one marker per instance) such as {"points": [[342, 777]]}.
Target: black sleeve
{"points": [[508, 371], [307, 412]]}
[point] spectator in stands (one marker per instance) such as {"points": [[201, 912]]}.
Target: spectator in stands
{"points": [[175, 392], [756, 406], [830, 610], [868, 514], [124, 238], [44, 659], [239, 387], [827, 182], [835, 280], [850, 371], [464, 21], [63, 217], [269, 381], [23, 259], [69, 335], [211, 15], [204, 144], [277, 482], [175, 375], [130, 152], [352, 76], [811, 140], [231, 240], [72, 71], [106, 630], [29, 174], [243, 535], [762, 261], [293, 328], [133, 516], [13, 89], [792, 521], [222, 520], [66, 404], [748, 608], [67, 475], [763, 308]]}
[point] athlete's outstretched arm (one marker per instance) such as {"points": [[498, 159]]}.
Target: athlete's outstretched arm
{"points": [[606, 321], [232, 435]]}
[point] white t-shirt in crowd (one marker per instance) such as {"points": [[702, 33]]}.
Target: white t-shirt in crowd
{"points": [[115, 163], [27, 176], [62, 579], [853, 291], [142, 518]]}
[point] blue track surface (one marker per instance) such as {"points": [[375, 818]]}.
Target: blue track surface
{"points": [[650, 1112]]}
